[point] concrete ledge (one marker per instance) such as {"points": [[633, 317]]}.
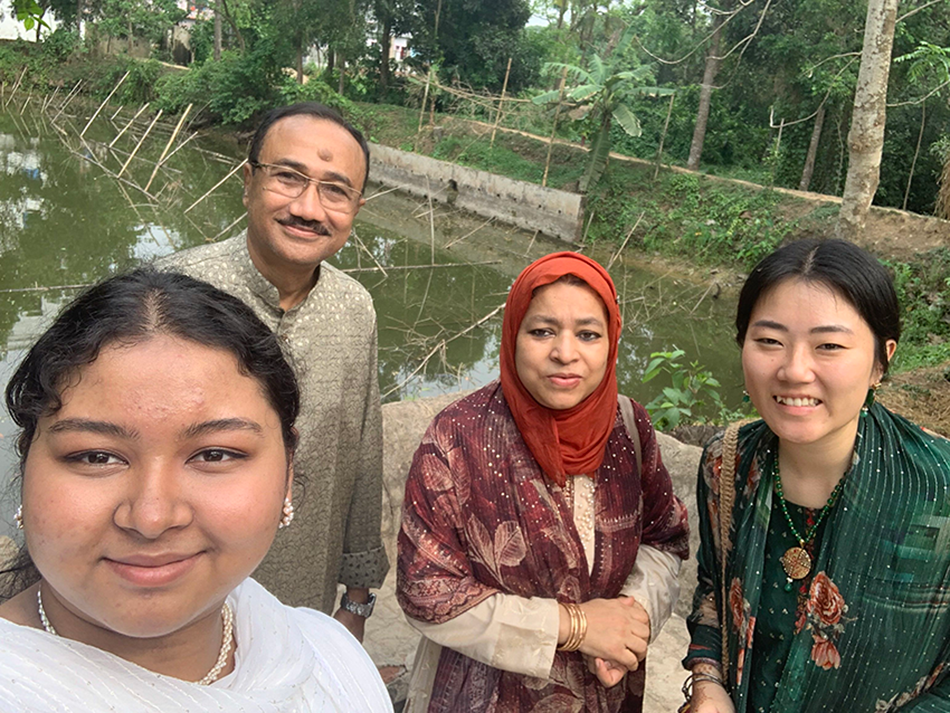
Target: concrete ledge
{"points": [[527, 205]]}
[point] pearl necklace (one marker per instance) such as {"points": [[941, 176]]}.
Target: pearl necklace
{"points": [[227, 617], [586, 525]]}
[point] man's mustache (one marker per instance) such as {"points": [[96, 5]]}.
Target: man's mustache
{"points": [[295, 222]]}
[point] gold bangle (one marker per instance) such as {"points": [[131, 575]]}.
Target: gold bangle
{"points": [[570, 635], [582, 634], [578, 628]]}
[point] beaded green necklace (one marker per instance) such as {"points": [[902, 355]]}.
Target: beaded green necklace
{"points": [[796, 561]]}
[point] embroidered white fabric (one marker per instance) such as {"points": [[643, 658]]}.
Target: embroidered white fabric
{"points": [[287, 661]]}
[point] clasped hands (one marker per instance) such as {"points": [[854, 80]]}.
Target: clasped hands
{"points": [[618, 631]]}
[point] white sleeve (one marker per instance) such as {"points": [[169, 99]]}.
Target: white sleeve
{"points": [[654, 583], [505, 631]]}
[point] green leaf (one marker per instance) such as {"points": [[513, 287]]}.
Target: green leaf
{"points": [[598, 159], [673, 394], [546, 97], [584, 91], [627, 120], [654, 365]]}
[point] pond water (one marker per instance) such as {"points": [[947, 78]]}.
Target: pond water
{"points": [[65, 222]]}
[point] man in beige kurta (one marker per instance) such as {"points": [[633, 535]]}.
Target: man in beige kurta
{"points": [[327, 324]]}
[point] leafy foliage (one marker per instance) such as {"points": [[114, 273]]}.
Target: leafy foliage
{"points": [[599, 95], [691, 388]]}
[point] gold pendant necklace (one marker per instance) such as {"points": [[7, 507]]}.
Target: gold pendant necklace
{"points": [[796, 561]]}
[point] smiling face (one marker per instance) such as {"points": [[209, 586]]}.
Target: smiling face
{"points": [[299, 233], [562, 346], [153, 491], [809, 359]]}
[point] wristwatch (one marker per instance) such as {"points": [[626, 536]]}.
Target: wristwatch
{"points": [[363, 610]]}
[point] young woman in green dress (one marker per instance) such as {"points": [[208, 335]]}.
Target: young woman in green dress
{"points": [[835, 592]]}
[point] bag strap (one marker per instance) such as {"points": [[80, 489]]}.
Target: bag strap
{"points": [[630, 422], [727, 498]]}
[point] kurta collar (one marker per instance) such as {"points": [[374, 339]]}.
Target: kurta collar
{"points": [[262, 287]]}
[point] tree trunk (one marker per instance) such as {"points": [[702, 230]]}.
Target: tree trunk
{"points": [[705, 98], [300, 61], [385, 43], [233, 24], [342, 64], [812, 150], [217, 33], [79, 9], [866, 137], [331, 55], [129, 30]]}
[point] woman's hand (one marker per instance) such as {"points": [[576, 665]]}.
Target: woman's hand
{"points": [[618, 631], [708, 696], [609, 673]]}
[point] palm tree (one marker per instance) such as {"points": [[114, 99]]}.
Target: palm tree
{"points": [[601, 92]]}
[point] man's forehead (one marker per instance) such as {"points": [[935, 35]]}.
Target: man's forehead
{"points": [[303, 133], [305, 141]]}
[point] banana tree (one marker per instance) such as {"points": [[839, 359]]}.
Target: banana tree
{"points": [[600, 93]]}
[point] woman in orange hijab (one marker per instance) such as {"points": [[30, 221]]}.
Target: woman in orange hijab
{"points": [[541, 539]]}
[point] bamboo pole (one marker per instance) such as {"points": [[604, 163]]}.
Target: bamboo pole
{"points": [[431, 223], [614, 257], [116, 112], [421, 267], [441, 345], [216, 185], [139, 144], [467, 235], [504, 88], [227, 229], [425, 98], [124, 128], [69, 98], [180, 146], [171, 140], [15, 87], [666, 125], [557, 114], [50, 98], [28, 98], [104, 102]]}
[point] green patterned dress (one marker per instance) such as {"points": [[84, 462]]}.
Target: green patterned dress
{"points": [[872, 631]]}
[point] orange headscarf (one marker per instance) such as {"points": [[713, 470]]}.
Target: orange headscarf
{"points": [[569, 441]]}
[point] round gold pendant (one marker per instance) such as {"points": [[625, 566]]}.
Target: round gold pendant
{"points": [[796, 562]]}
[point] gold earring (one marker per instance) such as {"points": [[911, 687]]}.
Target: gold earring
{"points": [[18, 516]]}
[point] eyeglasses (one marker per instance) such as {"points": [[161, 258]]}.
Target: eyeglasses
{"points": [[292, 183]]}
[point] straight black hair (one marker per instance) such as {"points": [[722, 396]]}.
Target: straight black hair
{"points": [[843, 267], [315, 110]]}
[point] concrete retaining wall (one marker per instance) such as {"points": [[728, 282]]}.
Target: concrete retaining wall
{"points": [[529, 206]]}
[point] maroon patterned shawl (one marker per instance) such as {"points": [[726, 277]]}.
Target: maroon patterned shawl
{"points": [[479, 517]]}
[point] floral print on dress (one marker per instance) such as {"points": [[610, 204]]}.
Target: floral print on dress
{"points": [[752, 480], [742, 623], [824, 615]]}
